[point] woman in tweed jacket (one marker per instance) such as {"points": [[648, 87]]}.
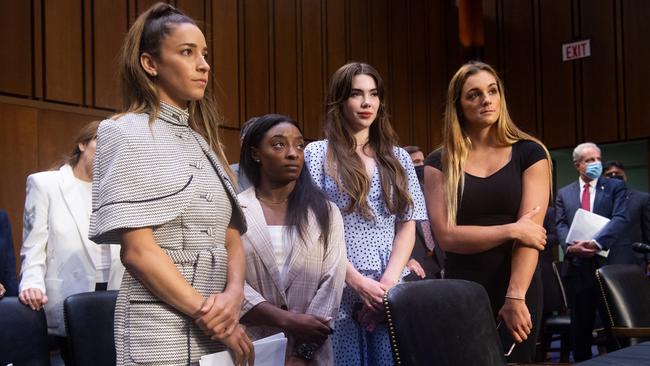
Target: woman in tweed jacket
{"points": [[161, 191], [295, 252]]}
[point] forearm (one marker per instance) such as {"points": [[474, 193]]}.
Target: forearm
{"points": [[149, 264], [236, 261], [352, 276], [266, 314], [470, 239], [524, 262], [401, 252]]}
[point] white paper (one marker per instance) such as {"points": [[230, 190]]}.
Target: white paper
{"points": [[585, 226], [269, 351]]}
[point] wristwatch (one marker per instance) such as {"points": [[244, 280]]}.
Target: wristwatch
{"points": [[305, 351]]}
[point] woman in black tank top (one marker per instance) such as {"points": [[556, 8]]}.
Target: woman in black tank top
{"points": [[487, 189]]}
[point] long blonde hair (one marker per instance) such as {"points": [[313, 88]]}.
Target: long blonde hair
{"points": [[139, 91], [344, 165], [456, 143]]}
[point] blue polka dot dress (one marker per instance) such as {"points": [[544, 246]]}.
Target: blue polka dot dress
{"points": [[369, 244]]}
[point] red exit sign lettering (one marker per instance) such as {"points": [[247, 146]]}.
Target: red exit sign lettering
{"points": [[576, 50]]}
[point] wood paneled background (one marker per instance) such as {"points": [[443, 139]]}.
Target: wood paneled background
{"points": [[58, 67], [602, 98]]}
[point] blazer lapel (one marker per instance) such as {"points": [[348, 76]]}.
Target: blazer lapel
{"points": [[575, 192], [77, 210], [600, 191], [259, 237]]}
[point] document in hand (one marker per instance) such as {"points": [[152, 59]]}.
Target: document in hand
{"points": [[269, 351], [585, 226]]}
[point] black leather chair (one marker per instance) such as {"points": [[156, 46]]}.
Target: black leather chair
{"points": [[442, 322], [625, 293], [89, 323], [556, 322], [23, 334]]}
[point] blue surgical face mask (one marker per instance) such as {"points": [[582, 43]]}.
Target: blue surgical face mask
{"points": [[594, 170]]}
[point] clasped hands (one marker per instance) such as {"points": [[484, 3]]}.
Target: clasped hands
{"points": [[218, 317], [372, 293]]}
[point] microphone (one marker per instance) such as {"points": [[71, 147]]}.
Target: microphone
{"points": [[641, 247]]}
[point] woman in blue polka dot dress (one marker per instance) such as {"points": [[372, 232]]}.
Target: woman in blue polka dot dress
{"points": [[372, 181]]}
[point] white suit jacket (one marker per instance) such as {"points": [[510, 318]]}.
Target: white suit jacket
{"points": [[57, 256], [314, 280]]}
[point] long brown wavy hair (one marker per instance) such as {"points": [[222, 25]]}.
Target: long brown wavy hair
{"points": [[456, 143], [343, 163], [139, 90]]}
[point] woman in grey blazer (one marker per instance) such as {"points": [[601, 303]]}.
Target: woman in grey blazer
{"points": [[162, 191], [295, 252]]}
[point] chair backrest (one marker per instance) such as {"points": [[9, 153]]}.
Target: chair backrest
{"points": [[442, 322], [89, 324], [625, 293], [23, 334]]}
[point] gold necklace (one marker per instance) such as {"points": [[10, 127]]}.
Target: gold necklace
{"points": [[271, 202]]}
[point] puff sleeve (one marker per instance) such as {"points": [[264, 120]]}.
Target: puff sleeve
{"points": [[140, 178]]}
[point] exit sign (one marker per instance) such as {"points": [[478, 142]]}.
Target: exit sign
{"points": [[576, 50]]}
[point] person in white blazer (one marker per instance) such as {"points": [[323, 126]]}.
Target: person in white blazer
{"points": [[58, 259]]}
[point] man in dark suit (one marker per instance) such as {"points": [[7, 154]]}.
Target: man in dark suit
{"points": [[607, 198], [8, 284], [638, 212]]}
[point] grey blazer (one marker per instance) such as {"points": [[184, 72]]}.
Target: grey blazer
{"points": [[163, 175]]}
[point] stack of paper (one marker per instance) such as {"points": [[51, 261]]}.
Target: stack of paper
{"points": [[269, 351], [585, 226]]}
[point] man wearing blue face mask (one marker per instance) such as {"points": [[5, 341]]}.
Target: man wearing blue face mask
{"points": [[607, 198]]}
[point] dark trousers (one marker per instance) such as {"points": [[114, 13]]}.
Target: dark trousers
{"points": [[583, 302]]}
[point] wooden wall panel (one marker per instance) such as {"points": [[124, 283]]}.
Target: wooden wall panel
{"points": [[16, 47], [438, 79], [599, 104], [63, 41], [557, 86], [110, 25], [636, 27], [598, 98], [230, 139], [142, 5], [195, 9], [359, 34], [336, 30], [379, 31], [225, 61], [257, 57], [57, 131], [313, 68], [518, 63], [285, 56], [18, 146], [419, 89], [401, 73]]}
